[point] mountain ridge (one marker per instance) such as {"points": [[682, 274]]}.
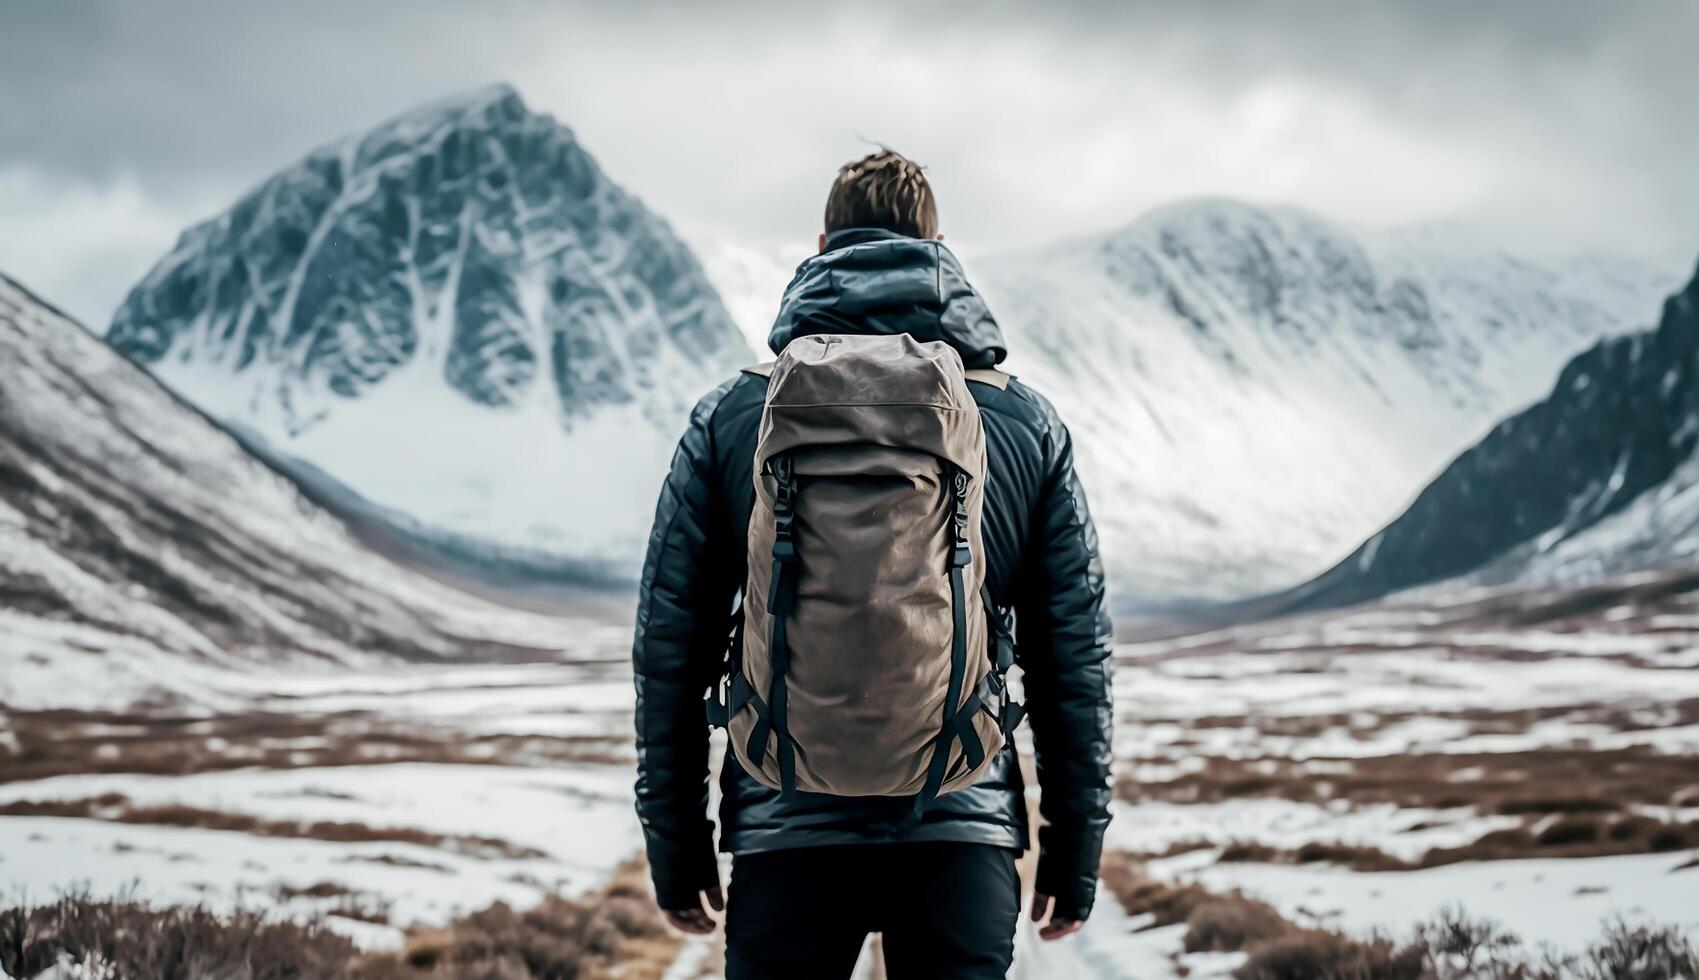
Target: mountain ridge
{"points": [[1543, 497]]}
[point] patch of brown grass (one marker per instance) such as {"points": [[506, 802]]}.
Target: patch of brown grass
{"points": [[1140, 894], [396, 861], [322, 889], [1572, 837], [616, 934], [119, 809], [1357, 857], [137, 940], [61, 742], [1564, 837], [1232, 922], [1534, 783], [1317, 954], [1354, 856]]}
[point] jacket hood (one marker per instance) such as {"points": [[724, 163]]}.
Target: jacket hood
{"points": [[872, 281]]}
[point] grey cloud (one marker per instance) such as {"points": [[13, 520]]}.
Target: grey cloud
{"points": [[1558, 121]]}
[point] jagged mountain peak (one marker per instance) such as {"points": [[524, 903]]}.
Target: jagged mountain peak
{"points": [[461, 287]]}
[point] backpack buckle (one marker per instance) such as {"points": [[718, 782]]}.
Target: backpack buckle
{"points": [[963, 554], [1009, 718], [717, 707]]}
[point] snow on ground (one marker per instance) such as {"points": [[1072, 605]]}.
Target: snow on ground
{"points": [[590, 696], [1431, 681], [1384, 695], [1413, 677], [1115, 946], [1154, 826], [581, 817], [564, 828], [1561, 903], [45, 856], [1322, 697]]}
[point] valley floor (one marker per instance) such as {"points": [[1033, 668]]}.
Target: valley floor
{"points": [[1532, 762]]}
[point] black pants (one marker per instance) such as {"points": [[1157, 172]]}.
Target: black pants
{"points": [[947, 911]]}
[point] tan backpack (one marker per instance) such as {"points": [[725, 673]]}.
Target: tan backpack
{"points": [[868, 660]]}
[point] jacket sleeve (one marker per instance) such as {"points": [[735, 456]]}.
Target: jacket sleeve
{"points": [[680, 637], [1064, 645]]}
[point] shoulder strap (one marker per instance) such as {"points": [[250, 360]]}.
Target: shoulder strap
{"points": [[991, 376], [762, 370]]}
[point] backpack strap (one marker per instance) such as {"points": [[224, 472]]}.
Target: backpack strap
{"points": [[960, 557], [762, 370], [773, 722]]}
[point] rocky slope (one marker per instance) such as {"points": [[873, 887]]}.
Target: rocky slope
{"points": [[1598, 478], [456, 316], [142, 551]]}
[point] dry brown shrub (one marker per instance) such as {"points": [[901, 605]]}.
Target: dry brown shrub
{"points": [[1354, 856], [1560, 804], [139, 941], [1233, 922], [1252, 852], [1167, 904], [604, 936], [1314, 954], [1640, 953], [1572, 830]]}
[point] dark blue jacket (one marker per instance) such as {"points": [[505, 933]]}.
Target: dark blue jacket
{"points": [[1043, 562]]}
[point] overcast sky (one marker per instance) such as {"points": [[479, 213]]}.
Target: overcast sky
{"points": [[1543, 125]]}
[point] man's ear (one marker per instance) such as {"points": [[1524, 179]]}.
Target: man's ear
{"points": [[822, 246], [940, 236]]}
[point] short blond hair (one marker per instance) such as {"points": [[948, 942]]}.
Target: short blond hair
{"points": [[882, 190]]}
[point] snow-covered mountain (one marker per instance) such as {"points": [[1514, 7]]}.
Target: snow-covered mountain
{"points": [[1254, 391], [460, 328], [458, 317], [1599, 478], [143, 552]]}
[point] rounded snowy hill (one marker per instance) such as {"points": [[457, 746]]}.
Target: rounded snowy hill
{"points": [[458, 317], [1254, 391]]}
